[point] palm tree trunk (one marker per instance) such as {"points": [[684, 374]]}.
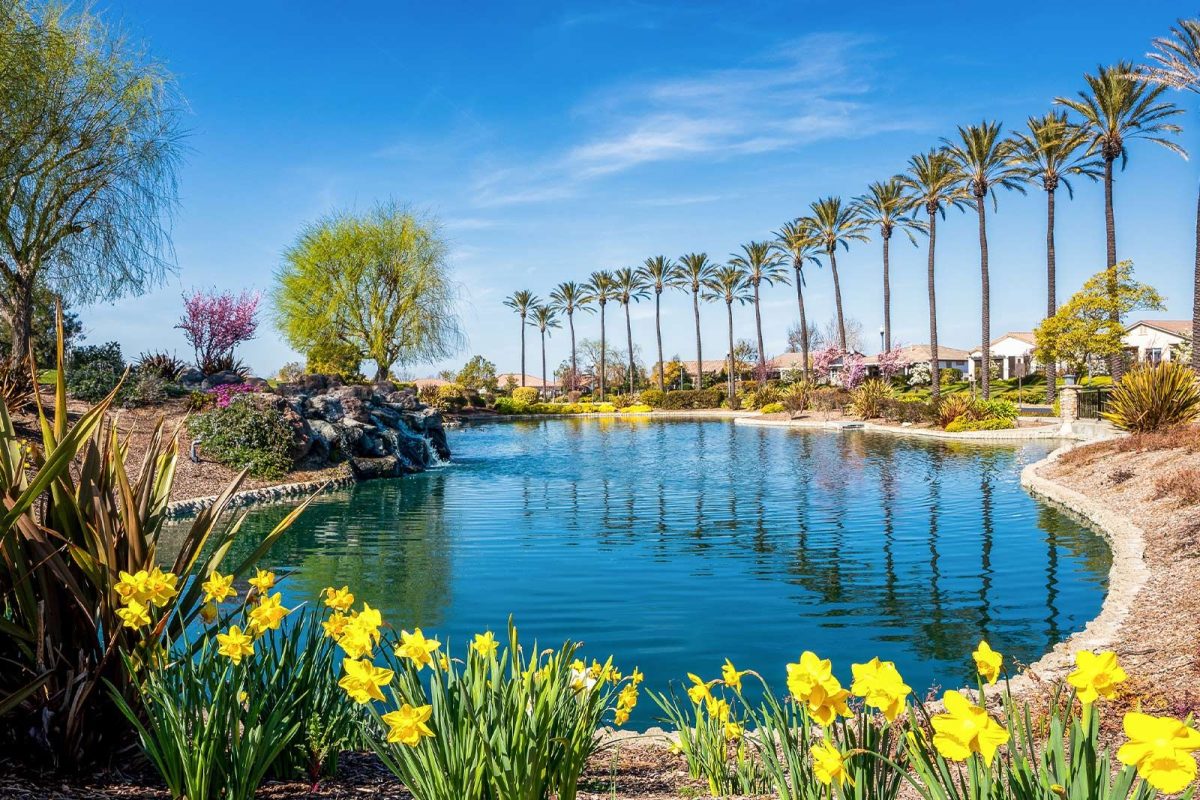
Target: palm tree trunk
{"points": [[1196, 297], [544, 362], [574, 371], [934, 377], [1051, 369], [1115, 360], [699, 356], [761, 371], [658, 333], [887, 297], [803, 324], [629, 344], [732, 390], [603, 354], [837, 297], [522, 350], [986, 293]]}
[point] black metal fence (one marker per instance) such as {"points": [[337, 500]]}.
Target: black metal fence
{"points": [[1093, 402]]}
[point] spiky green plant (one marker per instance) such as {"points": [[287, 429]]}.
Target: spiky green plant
{"points": [[1152, 398]]}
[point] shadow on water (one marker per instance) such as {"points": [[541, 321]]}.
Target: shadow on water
{"points": [[674, 545]]}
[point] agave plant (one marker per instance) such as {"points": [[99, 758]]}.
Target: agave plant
{"points": [[72, 520], [1153, 398]]}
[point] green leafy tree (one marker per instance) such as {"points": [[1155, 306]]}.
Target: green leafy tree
{"points": [[330, 356], [569, 297], [523, 302], [933, 184], [887, 206], [1050, 153], [760, 263], [377, 282], [1089, 325], [602, 286], [478, 374], [836, 224], [799, 243], [89, 147], [657, 272], [984, 161], [729, 284], [545, 317], [695, 270], [1116, 108]]}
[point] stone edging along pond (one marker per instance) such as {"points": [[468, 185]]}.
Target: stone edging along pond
{"points": [[262, 496]]}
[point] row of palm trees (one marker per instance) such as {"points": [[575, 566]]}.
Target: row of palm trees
{"points": [[1083, 136]]}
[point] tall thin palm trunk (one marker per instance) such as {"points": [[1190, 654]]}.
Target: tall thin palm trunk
{"points": [[662, 368], [1116, 365], [732, 362], [603, 353], [544, 387], [574, 371], [699, 356], [934, 376], [887, 296], [761, 371], [1052, 293], [629, 344], [986, 292], [803, 326], [837, 298], [522, 350]]}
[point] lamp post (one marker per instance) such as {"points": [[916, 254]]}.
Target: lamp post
{"points": [[881, 338]]}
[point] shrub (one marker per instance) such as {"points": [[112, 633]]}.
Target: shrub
{"points": [[950, 375], [966, 423], [428, 395], [200, 401], [16, 384], [94, 370], [224, 394], [245, 435], [637, 408], [772, 408], [795, 398], [144, 389], [869, 397], [653, 398], [451, 397], [227, 363], [214, 324], [1153, 398], [1183, 484], [764, 395], [911, 410], [163, 364], [686, 399], [525, 395], [828, 398], [953, 406], [290, 372], [996, 409], [919, 374]]}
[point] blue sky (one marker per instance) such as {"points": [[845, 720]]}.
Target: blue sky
{"points": [[555, 139]]}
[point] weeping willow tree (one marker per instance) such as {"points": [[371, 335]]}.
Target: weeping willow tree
{"points": [[89, 148], [376, 283]]}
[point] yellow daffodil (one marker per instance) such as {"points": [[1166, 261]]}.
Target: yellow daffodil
{"points": [[636, 677], [628, 697], [134, 615], [235, 644], [267, 615], [717, 708], [208, 613], [733, 731], [132, 587], [408, 725], [416, 648], [620, 716], [731, 676], [362, 680], [485, 644], [360, 634], [966, 728], [443, 661], [218, 588], [1161, 748], [827, 701], [1096, 675], [263, 581], [807, 673], [160, 586], [880, 685], [339, 599], [829, 765], [698, 692], [335, 625], [811, 681], [987, 662]]}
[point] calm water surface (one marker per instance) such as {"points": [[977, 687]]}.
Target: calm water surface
{"points": [[676, 544]]}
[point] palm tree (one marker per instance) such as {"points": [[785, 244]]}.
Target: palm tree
{"points": [[1119, 106], [569, 297], [523, 302], [1052, 151], [729, 283], [1177, 64], [629, 287], [759, 262], [836, 224], [933, 184], [545, 317], [694, 271], [600, 286], [658, 272], [887, 206], [797, 241], [984, 160]]}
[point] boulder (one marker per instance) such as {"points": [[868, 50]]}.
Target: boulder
{"points": [[191, 378], [369, 468], [220, 379], [403, 401], [326, 407], [259, 384]]}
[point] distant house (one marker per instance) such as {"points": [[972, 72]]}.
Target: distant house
{"points": [[533, 381], [1156, 340], [422, 383], [785, 364], [948, 358], [1008, 352]]}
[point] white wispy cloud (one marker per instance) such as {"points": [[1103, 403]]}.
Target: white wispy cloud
{"points": [[811, 89]]}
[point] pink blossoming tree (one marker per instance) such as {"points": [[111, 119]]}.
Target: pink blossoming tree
{"points": [[892, 363], [823, 360], [853, 371], [214, 324]]}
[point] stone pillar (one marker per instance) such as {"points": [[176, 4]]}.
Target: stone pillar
{"points": [[1068, 406]]}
